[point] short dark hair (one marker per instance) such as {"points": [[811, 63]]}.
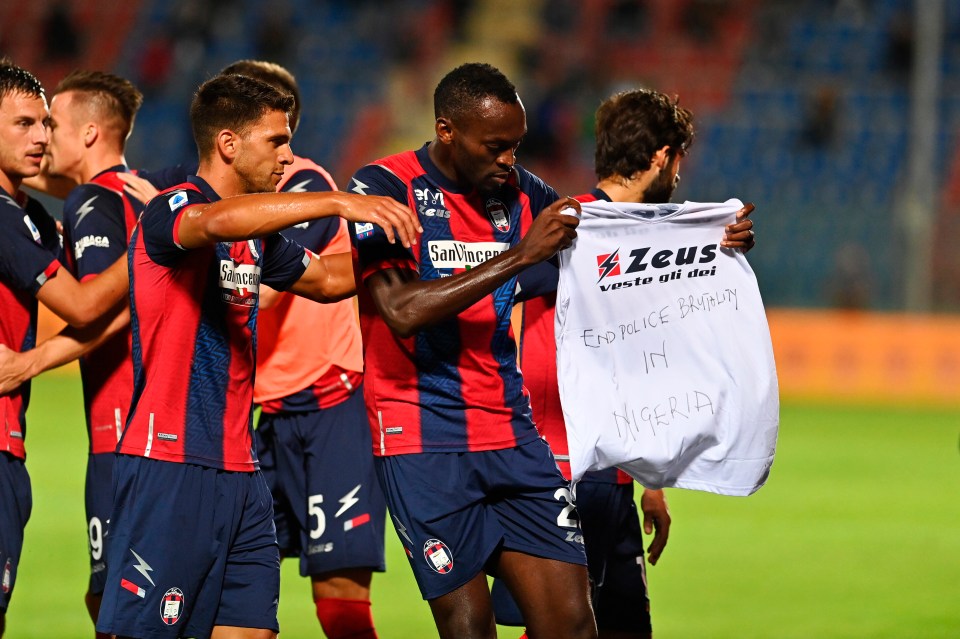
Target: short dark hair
{"points": [[14, 79], [116, 98], [463, 89], [233, 102], [276, 76], [632, 125]]}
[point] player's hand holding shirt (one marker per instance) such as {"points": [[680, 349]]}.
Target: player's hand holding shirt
{"points": [[665, 363]]}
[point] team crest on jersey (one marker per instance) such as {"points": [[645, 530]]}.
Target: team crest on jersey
{"points": [[498, 214], [34, 231], [364, 230], [171, 606], [608, 264], [177, 200], [7, 577], [438, 556]]}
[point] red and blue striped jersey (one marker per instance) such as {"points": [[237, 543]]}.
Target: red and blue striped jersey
{"points": [[29, 252], [193, 316], [289, 377], [538, 361], [98, 218], [454, 386]]}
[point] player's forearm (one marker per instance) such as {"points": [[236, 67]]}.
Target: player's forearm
{"points": [[408, 304], [64, 347], [243, 217]]}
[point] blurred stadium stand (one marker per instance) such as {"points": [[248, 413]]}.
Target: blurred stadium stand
{"points": [[802, 106]]}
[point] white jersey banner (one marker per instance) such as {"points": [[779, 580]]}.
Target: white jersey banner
{"points": [[663, 351]]}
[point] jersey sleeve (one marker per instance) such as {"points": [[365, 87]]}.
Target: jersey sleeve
{"points": [[160, 222], [284, 262], [95, 230], [27, 255], [373, 251]]}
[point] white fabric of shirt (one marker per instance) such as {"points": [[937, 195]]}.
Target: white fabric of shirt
{"points": [[664, 358]]}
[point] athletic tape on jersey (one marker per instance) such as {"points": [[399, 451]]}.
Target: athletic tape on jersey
{"points": [[665, 363]]}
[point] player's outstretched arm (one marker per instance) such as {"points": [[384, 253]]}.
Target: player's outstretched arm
{"points": [[243, 217], [328, 278], [656, 517], [80, 304], [408, 304], [739, 235], [64, 347]]}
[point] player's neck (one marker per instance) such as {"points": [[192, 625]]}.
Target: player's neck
{"points": [[622, 189], [221, 178], [96, 163], [9, 183]]}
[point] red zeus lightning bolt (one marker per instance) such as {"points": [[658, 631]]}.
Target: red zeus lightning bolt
{"points": [[608, 264]]}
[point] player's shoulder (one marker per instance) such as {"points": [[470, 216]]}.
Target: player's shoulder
{"points": [[89, 196], [531, 184]]}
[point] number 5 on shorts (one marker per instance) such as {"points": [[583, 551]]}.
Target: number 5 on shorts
{"points": [[314, 509]]}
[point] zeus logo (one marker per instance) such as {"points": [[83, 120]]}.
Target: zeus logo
{"points": [[359, 187], [143, 567], [608, 264], [348, 500]]}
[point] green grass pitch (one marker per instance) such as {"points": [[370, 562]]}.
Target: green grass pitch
{"points": [[857, 534]]}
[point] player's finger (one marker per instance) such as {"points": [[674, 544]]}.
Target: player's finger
{"points": [[747, 209]]}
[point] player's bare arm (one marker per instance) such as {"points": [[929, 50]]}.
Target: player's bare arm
{"points": [[408, 304], [247, 216], [656, 520], [64, 347], [328, 278], [80, 304], [739, 235]]}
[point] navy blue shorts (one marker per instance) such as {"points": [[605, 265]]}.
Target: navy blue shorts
{"points": [[191, 548], [453, 511], [615, 561], [615, 557], [16, 501], [328, 506], [99, 502]]}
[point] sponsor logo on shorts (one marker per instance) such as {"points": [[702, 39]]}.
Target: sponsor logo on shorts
{"points": [[497, 212], [394, 430], [7, 576], [177, 200], [316, 549], [438, 556], [167, 437], [171, 606]]}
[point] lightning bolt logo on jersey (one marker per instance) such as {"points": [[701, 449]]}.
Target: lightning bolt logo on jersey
{"points": [[609, 264], [454, 386]]}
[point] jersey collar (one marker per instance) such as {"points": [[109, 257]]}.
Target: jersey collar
{"points": [[205, 188]]}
